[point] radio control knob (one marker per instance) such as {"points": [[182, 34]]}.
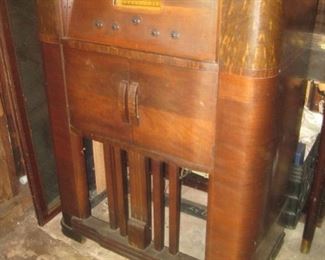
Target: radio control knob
{"points": [[155, 33], [175, 35], [99, 24], [115, 27], [136, 20]]}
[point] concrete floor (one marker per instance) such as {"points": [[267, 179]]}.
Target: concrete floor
{"points": [[29, 241], [26, 240]]}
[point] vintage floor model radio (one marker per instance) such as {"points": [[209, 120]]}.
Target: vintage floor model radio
{"points": [[165, 85]]}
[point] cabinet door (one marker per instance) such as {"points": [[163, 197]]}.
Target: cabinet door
{"points": [[175, 111], [96, 89]]}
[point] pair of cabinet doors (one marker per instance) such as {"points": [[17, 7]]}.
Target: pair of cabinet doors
{"points": [[164, 109]]}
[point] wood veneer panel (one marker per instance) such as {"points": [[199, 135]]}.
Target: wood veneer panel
{"points": [[121, 189], [111, 185], [158, 194], [247, 138], [79, 168], [176, 109], [8, 180], [49, 20], [248, 47], [139, 224], [99, 165], [174, 208], [98, 231], [94, 93], [70, 180], [195, 21]]}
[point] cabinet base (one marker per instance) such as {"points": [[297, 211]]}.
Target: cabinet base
{"points": [[100, 232], [271, 244], [70, 233]]}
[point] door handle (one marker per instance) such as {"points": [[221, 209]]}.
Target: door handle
{"points": [[122, 100], [133, 103]]}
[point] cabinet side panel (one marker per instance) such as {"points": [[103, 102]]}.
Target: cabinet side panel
{"points": [[248, 127], [70, 181], [246, 141], [255, 139], [49, 20]]}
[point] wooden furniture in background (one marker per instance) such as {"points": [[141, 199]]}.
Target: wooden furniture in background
{"points": [[315, 212], [315, 198], [178, 84], [14, 104], [8, 178]]}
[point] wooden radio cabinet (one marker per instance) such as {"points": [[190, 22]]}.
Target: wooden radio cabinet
{"points": [[193, 84]]}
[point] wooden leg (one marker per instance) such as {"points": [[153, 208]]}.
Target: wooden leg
{"points": [[139, 224], [111, 185], [121, 190], [239, 186], [68, 148], [315, 196], [158, 204], [174, 208], [80, 176]]}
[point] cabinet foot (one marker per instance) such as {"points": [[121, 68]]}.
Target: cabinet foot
{"points": [[69, 232], [305, 246]]}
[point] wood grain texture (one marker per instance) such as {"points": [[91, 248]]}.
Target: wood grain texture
{"points": [[70, 181], [8, 179], [9, 79], [246, 143], [174, 208], [94, 89], [193, 20], [93, 83], [99, 165], [158, 194], [137, 55], [139, 225], [179, 121], [111, 185], [291, 106], [80, 175], [121, 189], [317, 59], [14, 104], [229, 121], [49, 18], [255, 140], [94, 229], [250, 32]]}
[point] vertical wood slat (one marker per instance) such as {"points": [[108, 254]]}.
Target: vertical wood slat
{"points": [[139, 224], [8, 182], [99, 165], [80, 182], [121, 189], [174, 208], [158, 204], [111, 186]]}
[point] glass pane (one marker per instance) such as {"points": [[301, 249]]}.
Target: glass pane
{"points": [[140, 3], [23, 19]]}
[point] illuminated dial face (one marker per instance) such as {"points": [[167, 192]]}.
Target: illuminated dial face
{"points": [[139, 3]]}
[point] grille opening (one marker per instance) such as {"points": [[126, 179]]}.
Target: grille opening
{"points": [[161, 186]]}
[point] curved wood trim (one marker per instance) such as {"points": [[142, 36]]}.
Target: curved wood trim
{"points": [[250, 40]]}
